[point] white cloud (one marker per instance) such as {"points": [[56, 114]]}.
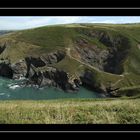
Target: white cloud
{"points": [[15, 22]]}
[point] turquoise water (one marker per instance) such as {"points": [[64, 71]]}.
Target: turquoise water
{"points": [[10, 90]]}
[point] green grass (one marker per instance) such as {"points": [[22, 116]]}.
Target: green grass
{"points": [[49, 38], [71, 111], [69, 65]]}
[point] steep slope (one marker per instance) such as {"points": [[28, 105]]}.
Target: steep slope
{"points": [[102, 57]]}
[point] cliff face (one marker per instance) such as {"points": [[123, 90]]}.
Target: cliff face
{"points": [[52, 77], [41, 61], [109, 59], [67, 57]]}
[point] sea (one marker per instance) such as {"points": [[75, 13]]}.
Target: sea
{"points": [[14, 90]]}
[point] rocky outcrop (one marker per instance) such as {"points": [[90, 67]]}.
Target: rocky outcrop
{"points": [[54, 57], [41, 61], [52, 77], [37, 62], [13, 71], [109, 59], [92, 57], [116, 57], [89, 80], [19, 69], [30, 68]]}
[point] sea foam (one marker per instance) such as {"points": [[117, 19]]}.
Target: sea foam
{"points": [[2, 94], [13, 86]]}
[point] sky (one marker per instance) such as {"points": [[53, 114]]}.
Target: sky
{"points": [[26, 22]]}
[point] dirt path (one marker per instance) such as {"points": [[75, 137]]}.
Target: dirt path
{"points": [[69, 54], [117, 82]]}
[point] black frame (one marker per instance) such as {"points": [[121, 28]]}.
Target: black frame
{"points": [[69, 12]]}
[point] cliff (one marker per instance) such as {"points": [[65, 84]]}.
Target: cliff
{"points": [[102, 57]]}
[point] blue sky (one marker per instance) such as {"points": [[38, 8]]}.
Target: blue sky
{"points": [[25, 22]]}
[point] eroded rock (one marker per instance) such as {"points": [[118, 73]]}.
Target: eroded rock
{"points": [[53, 77], [19, 69], [41, 61]]}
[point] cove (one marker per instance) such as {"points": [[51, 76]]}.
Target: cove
{"points": [[10, 90]]}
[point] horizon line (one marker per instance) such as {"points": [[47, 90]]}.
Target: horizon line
{"points": [[68, 24]]}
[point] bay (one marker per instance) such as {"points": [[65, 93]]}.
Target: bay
{"points": [[10, 90]]}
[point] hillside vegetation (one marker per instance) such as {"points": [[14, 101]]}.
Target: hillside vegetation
{"points": [[109, 53]]}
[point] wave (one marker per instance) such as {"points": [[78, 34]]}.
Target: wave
{"points": [[11, 86], [2, 94]]}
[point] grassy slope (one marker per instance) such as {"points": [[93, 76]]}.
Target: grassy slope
{"points": [[50, 38], [122, 111]]}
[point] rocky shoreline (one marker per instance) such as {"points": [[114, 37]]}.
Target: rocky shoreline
{"points": [[37, 72], [47, 76]]}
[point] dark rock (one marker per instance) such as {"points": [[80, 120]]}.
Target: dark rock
{"points": [[52, 77], [44, 60], [92, 57], [6, 70], [37, 62], [109, 60], [77, 83], [89, 80], [31, 71], [36, 78], [54, 57]]}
